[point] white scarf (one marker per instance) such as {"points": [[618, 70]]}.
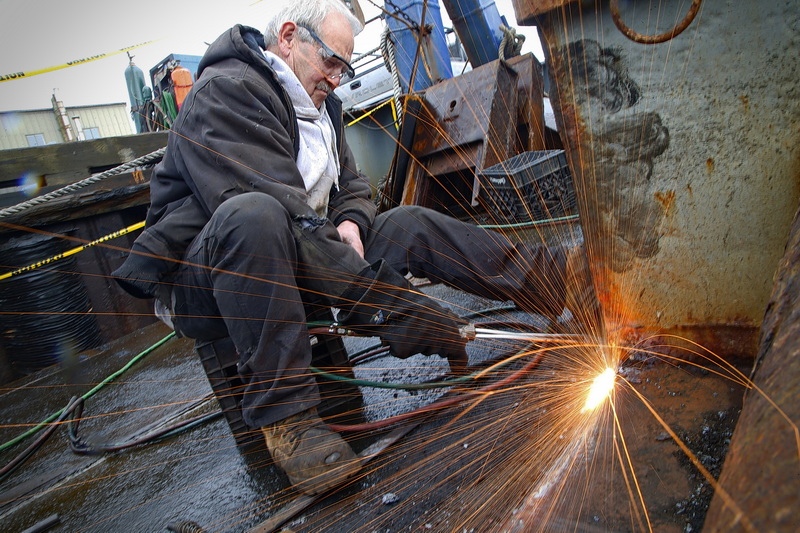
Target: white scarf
{"points": [[317, 159]]}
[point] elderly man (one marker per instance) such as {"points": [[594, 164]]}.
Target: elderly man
{"points": [[257, 210]]}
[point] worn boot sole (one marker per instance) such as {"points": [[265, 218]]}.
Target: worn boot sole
{"points": [[329, 479], [313, 457]]}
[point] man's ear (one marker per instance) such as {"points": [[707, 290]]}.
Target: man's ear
{"points": [[286, 37]]}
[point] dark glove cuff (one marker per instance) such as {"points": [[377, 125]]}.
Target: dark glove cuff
{"points": [[138, 278]]}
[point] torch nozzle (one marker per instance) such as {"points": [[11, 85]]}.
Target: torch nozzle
{"points": [[468, 332]]}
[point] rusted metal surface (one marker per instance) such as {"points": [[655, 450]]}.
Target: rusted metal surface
{"points": [[684, 219], [760, 482], [530, 104], [654, 39], [463, 125], [462, 110], [528, 10], [588, 484]]}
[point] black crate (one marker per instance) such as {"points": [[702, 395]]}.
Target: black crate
{"points": [[342, 401], [220, 363], [528, 187]]}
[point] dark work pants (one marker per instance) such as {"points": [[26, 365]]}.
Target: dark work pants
{"points": [[249, 272]]}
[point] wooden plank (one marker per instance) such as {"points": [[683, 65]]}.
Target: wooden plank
{"points": [[65, 163], [528, 10], [112, 194]]}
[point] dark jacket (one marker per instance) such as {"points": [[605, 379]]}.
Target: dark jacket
{"points": [[236, 133]]}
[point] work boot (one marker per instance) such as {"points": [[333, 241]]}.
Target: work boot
{"points": [[313, 457], [581, 298]]}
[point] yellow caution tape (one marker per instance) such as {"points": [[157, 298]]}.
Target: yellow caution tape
{"points": [[73, 251], [365, 115], [29, 73]]}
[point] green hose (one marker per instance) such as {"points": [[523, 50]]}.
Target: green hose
{"points": [[357, 382], [89, 394]]}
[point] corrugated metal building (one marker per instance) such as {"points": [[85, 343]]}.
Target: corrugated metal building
{"points": [[39, 127]]}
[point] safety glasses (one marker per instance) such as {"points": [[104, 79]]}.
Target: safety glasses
{"points": [[327, 54]]}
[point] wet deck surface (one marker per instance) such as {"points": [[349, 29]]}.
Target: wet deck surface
{"points": [[473, 467]]}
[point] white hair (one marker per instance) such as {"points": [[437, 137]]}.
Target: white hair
{"points": [[308, 12]]}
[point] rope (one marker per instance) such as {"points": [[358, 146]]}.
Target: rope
{"points": [[390, 59], [139, 162], [510, 41]]}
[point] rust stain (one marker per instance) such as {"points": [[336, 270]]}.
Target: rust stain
{"points": [[667, 199], [420, 145], [710, 165], [745, 102]]}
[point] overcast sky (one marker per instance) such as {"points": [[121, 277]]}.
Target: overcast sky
{"points": [[37, 34]]}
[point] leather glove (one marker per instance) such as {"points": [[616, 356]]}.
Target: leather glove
{"points": [[136, 276], [385, 305]]}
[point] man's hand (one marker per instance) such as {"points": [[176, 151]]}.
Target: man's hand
{"points": [[348, 231], [384, 304]]}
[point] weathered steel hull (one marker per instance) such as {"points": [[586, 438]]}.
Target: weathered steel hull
{"points": [[685, 156], [759, 484]]}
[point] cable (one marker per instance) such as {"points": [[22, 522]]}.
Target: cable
{"points": [[438, 384], [441, 404], [73, 412], [74, 409], [89, 394], [532, 223], [17, 461], [80, 447]]}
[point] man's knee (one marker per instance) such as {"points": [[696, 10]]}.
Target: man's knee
{"points": [[408, 212], [250, 214], [409, 217], [251, 207]]}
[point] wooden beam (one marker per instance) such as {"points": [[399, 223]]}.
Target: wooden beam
{"points": [[112, 194], [64, 163], [527, 10]]}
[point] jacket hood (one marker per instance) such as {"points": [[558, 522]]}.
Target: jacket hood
{"points": [[246, 44], [239, 42]]}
